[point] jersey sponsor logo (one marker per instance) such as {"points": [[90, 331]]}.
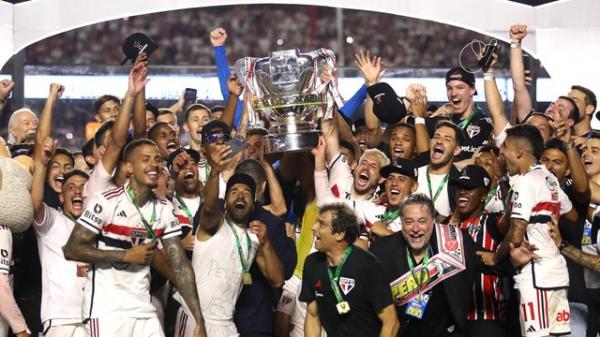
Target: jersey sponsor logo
{"points": [[4, 253], [122, 214], [286, 299], [468, 148], [346, 284], [98, 208], [552, 185], [563, 316], [89, 215], [473, 130]]}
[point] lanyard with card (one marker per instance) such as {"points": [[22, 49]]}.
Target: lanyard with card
{"points": [[440, 186], [390, 216], [247, 277], [416, 307], [343, 307], [147, 225]]}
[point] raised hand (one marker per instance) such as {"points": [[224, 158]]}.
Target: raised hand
{"points": [[141, 254], [138, 78], [370, 67], [234, 86], [219, 157], [523, 254], [321, 149], [218, 37], [494, 60], [48, 147], [260, 229], [56, 90], [517, 32], [141, 58], [6, 86]]}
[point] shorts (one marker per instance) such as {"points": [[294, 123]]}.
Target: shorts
{"points": [[290, 305], [544, 312], [124, 327], [185, 325]]}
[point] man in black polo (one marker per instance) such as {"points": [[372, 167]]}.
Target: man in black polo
{"points": [[344, 286]]}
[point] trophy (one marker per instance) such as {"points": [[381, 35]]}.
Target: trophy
{"points": [[284, 96]]}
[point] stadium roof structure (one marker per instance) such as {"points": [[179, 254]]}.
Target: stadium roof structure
{"points": [[563, 34]]}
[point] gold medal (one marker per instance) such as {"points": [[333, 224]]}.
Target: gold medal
{"points": [[343, 307], [247, 278]]}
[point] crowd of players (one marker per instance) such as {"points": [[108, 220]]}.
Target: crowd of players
{"points": [[453, 222]]}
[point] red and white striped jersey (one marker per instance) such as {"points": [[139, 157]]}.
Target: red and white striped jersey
{"points": [[536, 197], [121, 289]]}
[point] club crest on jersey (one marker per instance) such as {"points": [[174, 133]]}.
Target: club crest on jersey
{"points": [[138, 236], [346, 284], [473, 130], [551, 184]]}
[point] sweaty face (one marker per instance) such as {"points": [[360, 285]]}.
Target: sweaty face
{"points": [[150, 120], [108, 111], [72, 195], [366, 174], [197, 119], [508, 152], [398, 187], [417, 226], [145, 165], [25, 122], [443, 146], [166, 139], [469, 200], [460, 95], [591, 156], [58, 166], [323, 232], [170, 119], [255, 147], [239, 202], [556, 162], [402, 143], [543, 125]]}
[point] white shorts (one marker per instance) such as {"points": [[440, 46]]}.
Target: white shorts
{"points": [[185, 325], [290, 305], [67, 330], [124, 327], [544, 312]]}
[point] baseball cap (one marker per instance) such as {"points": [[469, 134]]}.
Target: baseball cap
{"points": [[472, 176], [458, 73], [193, 153], [134, 44], [215, 126], [403, 166], [241, 178], [387, 106]]}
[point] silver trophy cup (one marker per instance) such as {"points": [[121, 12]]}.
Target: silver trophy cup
{"points": [[284, 95]]}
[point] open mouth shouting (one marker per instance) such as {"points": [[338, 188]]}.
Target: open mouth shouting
{"points": [[189, 177], [463, 202], [437, 151], [171, 146], [398, 152], [362, 180], [58, 180], [456, 103], [416, 239], [77, 203]]}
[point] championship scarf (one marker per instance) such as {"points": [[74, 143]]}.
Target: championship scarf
{"points": [[449, 261]]}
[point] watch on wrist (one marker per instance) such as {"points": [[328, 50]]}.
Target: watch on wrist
{"points": [[564, 244]]}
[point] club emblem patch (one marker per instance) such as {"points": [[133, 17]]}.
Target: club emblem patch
{"points": [[346, 284], [473, 130]]}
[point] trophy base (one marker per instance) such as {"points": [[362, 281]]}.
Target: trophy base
{"points": [[291, 142]]}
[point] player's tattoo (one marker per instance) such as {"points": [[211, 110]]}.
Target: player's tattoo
{"points": [[515, 235], [586, 260], [184, 276], [81, 247]]}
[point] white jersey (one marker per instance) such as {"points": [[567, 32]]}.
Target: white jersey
{"points": [[441, 203], [536, 197], [368, 213], [99, 181], [192, 206], [218, 270], [340, 177], [203, 170], [62, 280], [122, 289], [6, 260], [495, 204]]}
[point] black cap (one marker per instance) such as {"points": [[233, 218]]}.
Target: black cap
{"points": [[241, 178], [193, 153], [460, 74], [214, 126], [387, 106], [472, 176], [403, 166], [134, 43]]}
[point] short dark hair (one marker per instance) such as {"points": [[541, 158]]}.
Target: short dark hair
{"points": [[343, 219], [152, 133], [130, 148], [458, 132], [556, 144], [103, 99], [594, 134], [590, 97], [216, 108], [574, 113], [193, 107], [490, 149], [101, 133], [403, 125], [65, 152], [531, 135], [418, 199], [74, 172], [164, 111], [348, 146], [254, 169], [88, 148]]}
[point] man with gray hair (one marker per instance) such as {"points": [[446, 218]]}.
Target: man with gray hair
{"points": [[21, 123]]}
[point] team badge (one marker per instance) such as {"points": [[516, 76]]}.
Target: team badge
{"points": [[138, 236], [473, 130], [346, 284]]}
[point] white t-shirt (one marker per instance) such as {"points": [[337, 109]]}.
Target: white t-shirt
{"points": [[121, 289], [442, 203], [536, 196], [62, 280], [369, 212], [6, 260], [192, 206]]}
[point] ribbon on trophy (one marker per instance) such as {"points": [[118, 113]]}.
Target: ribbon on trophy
{"points": [[449, 261]]}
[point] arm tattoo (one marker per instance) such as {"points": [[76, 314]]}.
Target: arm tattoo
{"points": [[586, 260], [184, 276], [515, 235], [80, 247]]}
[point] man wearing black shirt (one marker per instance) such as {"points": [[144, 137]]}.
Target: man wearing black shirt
{"points": [[344, 286]]}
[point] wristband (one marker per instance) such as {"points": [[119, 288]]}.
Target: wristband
{"points": [[419, 120], [489, 75], [564, 244], [515, 43]]}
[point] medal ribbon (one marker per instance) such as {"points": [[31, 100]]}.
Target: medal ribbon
{"points": [[440, 186], [490, 195], [147, 225], [333, 279], [245, 263], [411, 265], [389, 216], [185, 209]]}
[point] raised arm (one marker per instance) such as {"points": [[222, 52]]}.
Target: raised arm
{"points": [[522, 101], [581, 186], [493, 99], [266, 257], [139, 106], [277, 206], [45, 123], [212, 217], [372, 70], [42, 154], [418, 108], [6, 87], [329, 131], [118, 136], [235, 89]]}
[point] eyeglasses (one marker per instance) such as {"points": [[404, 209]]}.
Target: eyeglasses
{"points": [[218, 137]]}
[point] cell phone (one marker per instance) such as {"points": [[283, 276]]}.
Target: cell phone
{"points": [[237, 144], [487, 58], [189, 96]]}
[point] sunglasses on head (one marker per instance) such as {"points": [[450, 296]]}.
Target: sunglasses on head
{"points": [[218, 137]]}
